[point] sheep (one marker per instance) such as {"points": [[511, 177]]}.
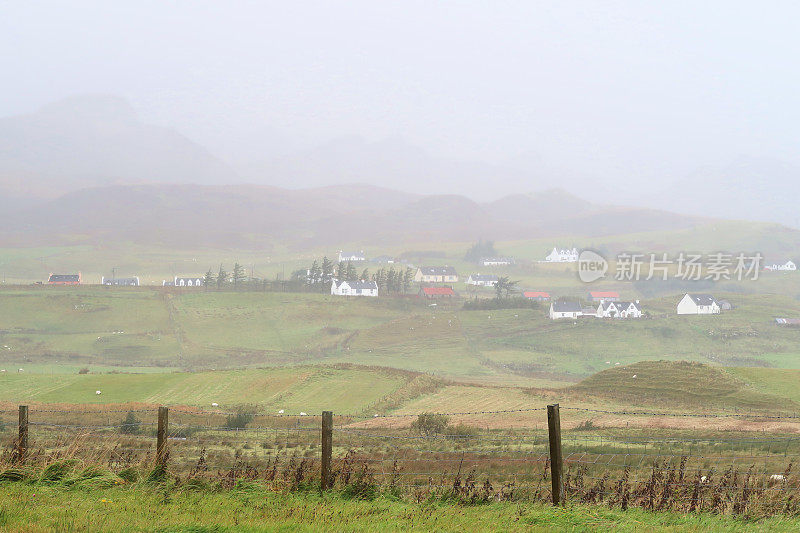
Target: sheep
{"points": [[98, 392], [280, 412], [302, 413], [634, 376], [777, 477], [215, 404]]}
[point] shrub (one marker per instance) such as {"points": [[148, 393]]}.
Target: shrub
{"points": [[83, 370], [243, 415], [131, 424], [430, 424]]}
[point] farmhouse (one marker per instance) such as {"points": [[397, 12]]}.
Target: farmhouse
{"points": [[383, 260], [565, 309], [183, 282], [351, 256], [354, 288], [698, 304], [497, 261], [64, 279], [436, 292], [787, 266], [564, 255], [436, 274], [603, 296], [128, 282], [482, 280], [619, 310], [534, 295]]}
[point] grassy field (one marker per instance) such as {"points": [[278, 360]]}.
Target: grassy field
{"points": [[37, 508], [60, 329]]}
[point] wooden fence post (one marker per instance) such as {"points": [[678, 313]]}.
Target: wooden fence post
{"points": [[556, 459], [327, 449], [161, 436], [22, 445]]}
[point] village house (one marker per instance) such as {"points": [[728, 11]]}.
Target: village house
{"points": [[619, 310], [787, 266], [64, 279], [183, 282], [497, 261], [436, 274], [354, 288], [564, 255], [383, 260], [565, 309], [127, 282], [536, 295], [698, 304], [436, 292], [603, 296], [482, 280], [352, 257]]}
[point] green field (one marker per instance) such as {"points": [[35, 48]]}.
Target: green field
{"points": [[36, 508]]}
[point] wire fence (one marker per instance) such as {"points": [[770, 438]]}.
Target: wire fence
{"points": [[656, 460]]}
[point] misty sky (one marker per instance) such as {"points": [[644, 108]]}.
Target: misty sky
{"points": [[606, 90]]}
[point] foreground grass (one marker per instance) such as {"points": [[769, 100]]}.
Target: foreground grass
{"points": [[33, 508]]}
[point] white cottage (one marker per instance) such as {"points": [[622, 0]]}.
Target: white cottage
{"points": [[565, 309], [698, 304], [619, 310], [184, 282], [564, 255], [482, 280], [354, 288], [352, 257]]}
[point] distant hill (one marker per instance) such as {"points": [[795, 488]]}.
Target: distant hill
{"points": [[256, 216], [87, 141]]}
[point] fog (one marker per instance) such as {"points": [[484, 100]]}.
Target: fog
{"points": [[617, 101]]}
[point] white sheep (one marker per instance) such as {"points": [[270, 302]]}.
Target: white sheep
{"points": [[98, 392], [777, 477], [215, 404], [302, 413], [280, 412], [634, 376]]}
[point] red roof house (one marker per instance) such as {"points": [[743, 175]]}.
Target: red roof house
{"points": [[608, 296], [534, 295], [436, 292]]}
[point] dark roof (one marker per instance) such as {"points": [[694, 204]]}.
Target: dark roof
{"points": [[484, 277], [702, 299], [121, 281], [566, 306], [358, 284], [64, 278], [439, 271]]}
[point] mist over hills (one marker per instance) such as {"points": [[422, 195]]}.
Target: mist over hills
{"points": [[86, 169]]}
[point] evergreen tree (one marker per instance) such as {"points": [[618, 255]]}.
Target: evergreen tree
{"points": [[222, 277], [315, 274], [408, 279], [352, 273], [327, 270], [209, 279], [238, 274], [391, 280], [365, 274], [341, 271]]}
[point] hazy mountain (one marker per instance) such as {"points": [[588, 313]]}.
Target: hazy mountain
{"points": [[252, 216], [97, 140], [392, 163], [747, 189]]}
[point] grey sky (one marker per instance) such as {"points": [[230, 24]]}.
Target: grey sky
{"points": [[606, 90]]}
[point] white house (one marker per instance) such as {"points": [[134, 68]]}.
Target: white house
{"points": [[698, 304], [564, 255], [184, 282], [131, 282], [619, 310], [482, 280], [565, 309], [497, 261], [788, 265], [354, 288], [352, 256]]}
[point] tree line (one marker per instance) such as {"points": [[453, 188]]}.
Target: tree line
{"points": [[322, 273]]}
